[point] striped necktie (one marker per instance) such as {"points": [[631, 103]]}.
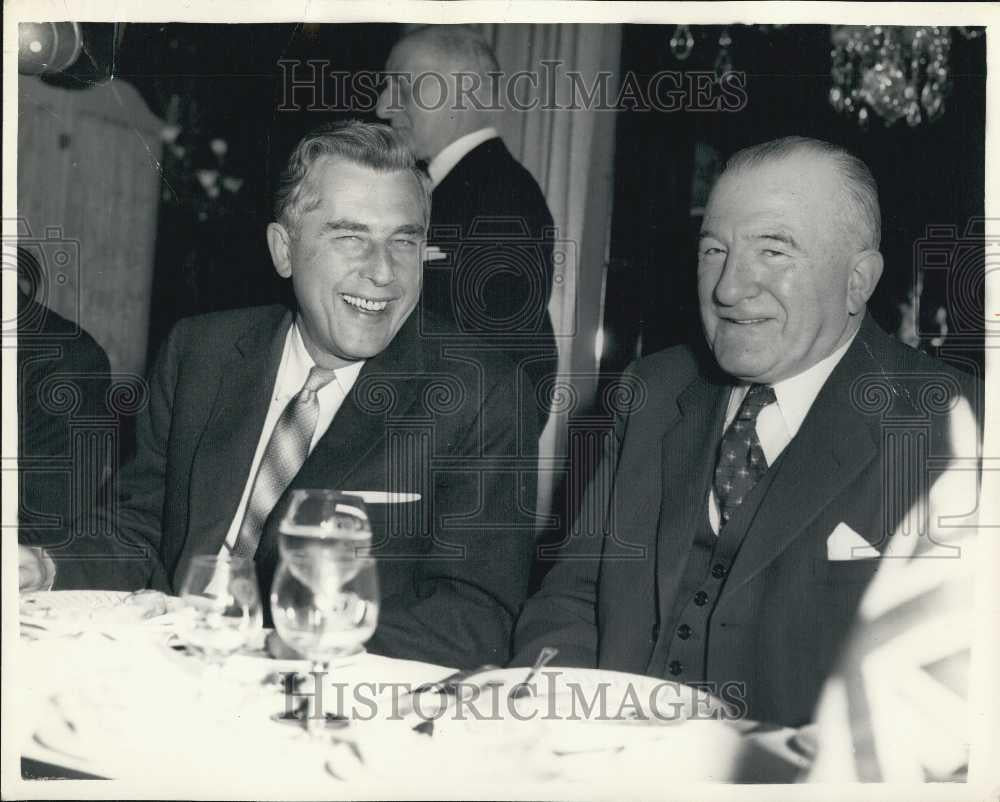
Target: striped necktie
{"points": [[741, 461], [285, 453]]}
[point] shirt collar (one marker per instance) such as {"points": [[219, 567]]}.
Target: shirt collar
{"points": [[296, 364], [796, 394], [452, 154]]}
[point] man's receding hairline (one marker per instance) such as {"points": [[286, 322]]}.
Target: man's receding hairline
{"points": [[779, 158], [463, 57], [309, 196], [850, 214], [374, 146]]}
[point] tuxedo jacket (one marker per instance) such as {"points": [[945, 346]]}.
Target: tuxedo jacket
{"points": [[868, 445], [490, 221], [453, 567]]}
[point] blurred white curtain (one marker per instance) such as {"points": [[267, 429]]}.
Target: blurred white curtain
{"points": [[570, 152]]}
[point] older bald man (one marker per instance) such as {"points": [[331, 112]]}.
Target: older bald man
{"points": [[491, 229], [750, 499]]}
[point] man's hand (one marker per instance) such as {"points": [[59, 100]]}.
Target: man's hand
{"points": [[34, 568]]}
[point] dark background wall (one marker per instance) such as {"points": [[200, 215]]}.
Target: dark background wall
{"points": [[223, 83]]}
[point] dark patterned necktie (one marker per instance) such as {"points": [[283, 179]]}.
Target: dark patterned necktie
{"points": [[741, 461], [285, 453]]}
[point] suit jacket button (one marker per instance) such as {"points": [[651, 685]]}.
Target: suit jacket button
{"points": [[718, 570], [675, 667], [683, 632], [701, 598]]}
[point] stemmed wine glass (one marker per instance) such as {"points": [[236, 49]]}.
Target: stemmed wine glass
{"points": [[221, 608], [324, 599]]}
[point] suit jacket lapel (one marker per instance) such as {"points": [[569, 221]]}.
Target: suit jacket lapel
{"points": [[224, 455], [385, 389], [688, 461], [833, 446]]}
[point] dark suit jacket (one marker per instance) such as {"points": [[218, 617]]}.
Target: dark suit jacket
{"points": [[490, 218], [453, 568], [63, 378], [784, 608]]}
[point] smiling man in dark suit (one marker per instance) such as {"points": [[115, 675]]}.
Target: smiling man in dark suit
{"points": [[744, 505], [384, 409], [489, 270]]}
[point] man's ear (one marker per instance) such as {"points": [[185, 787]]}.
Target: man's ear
{"points": [[279, 242], [865, 271]]}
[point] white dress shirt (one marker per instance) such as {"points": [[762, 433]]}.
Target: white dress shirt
{"points": [[293, 370], [452, 154], [779, 422]]}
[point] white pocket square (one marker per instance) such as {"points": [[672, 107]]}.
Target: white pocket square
{"points": [[383, 496], [432, 253], [846, 544]]}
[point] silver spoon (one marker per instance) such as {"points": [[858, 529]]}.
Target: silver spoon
{"points": [[524, 688]]}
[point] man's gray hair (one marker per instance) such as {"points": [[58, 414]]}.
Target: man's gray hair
{"points": [[863, 215], [465, 47], [371, 145]]}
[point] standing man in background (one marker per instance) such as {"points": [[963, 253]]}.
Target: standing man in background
{"points": [[489, 264]]}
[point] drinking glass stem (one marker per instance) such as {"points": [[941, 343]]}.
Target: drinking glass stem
{"points": [[316, 723]]}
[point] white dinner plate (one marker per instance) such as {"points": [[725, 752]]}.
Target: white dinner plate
{"points": [[584, 726], [588, 695]]}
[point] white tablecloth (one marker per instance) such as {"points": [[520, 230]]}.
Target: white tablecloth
{"points": [[109, 697]]}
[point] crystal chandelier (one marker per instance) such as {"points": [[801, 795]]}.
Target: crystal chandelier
{"points": [[895, 72], [682, 44]]}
